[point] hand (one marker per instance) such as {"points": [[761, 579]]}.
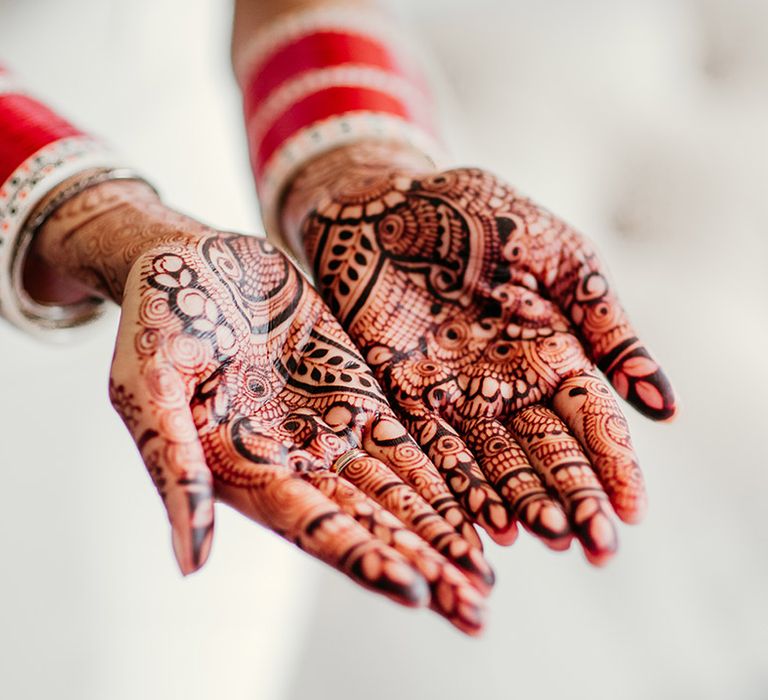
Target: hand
{"points": [[484, 317], [236, 381]]}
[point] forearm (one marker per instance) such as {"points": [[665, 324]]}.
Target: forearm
{"points": [[326, 85], [252, 16]]}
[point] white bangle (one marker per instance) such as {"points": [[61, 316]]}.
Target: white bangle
{"points": [[303, 142], [22, 192], [321, 137]]}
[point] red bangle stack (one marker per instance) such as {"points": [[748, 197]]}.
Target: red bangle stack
{"points": [[38, 151], [36, 147], [27, 126], [320, 79]]}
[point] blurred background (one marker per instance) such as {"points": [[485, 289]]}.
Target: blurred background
{"points": [[644, 124]]}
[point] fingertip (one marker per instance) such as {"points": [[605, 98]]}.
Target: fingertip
{"points": [[504, 537], [595, 531], [191, 516], [473, 565], [395, 578], [599, 559], [462, 605], [633, 515], [547, 522], [415, 594], [191, 545], [472, 623], [560, 544], [672, 411], [660, 412], [202, 539], [182, 551], [639, 380], [487, 575]]}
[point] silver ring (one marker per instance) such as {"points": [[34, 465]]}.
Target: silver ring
{"points": [[346, 459]]}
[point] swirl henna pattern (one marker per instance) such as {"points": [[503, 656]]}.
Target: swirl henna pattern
{"points": [[484, 316], [235, 380]]}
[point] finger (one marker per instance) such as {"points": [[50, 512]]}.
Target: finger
{"points": [[588, 408], [558, 458], [507, 467], [461, 472], [252, 477], [583, 290], [155, 408], [453, 596], [385, 487], [387, 440]]}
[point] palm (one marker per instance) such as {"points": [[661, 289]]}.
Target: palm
{"points": [[482, 315], [253, 391]]}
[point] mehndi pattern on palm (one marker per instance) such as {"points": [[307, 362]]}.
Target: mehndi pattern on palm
{"points": [[485, 318]]}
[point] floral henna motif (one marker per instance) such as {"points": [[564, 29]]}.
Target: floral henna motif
{"points": [[274, 391], [484, 316], [237, 382], [450, 596]]}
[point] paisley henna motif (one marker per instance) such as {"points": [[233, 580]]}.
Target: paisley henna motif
{"points": [[484, 316], [237, 382]]}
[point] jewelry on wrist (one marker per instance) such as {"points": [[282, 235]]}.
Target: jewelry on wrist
{"points": [[319, 79], [38, 152], [38, 318]]}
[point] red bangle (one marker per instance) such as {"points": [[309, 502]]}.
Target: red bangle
{"points": [[322, 105], [323, 49], [38, 151], [323, 78], [27, 126]]}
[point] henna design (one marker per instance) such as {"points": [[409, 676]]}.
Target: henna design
{"points": [[235, 380], [480, 313], [461, 604], [560, 461], [587, 406]]}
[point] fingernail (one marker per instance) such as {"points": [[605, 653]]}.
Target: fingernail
{"points": [[504, 537], [180, 550], [549, 523], [596, 533], [472, 562], [201, 545]]}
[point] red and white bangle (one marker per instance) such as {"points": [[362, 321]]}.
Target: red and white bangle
{"points": [[38, 151], [318, 79]]}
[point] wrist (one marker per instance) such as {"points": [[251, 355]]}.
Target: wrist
{"points": [[325, 79], [341, 172], [93, 239]]}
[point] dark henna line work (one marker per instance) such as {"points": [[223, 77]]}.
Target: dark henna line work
{"points": [[216, 330], [471, 301]]}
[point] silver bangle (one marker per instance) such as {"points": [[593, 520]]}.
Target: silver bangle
{"points": [[40, 318]]}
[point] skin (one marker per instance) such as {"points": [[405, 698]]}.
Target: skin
{"points": [[486, 319], [238, 384]]}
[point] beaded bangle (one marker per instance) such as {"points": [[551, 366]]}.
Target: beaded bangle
{"points": [[319, 79], [38, 151], [37, 318]]}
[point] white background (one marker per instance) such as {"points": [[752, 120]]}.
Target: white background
{"points": [[644, 124]]}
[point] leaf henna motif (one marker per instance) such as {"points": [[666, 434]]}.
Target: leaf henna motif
{"points": [[237, 382], [276, 392], [477, 309]]}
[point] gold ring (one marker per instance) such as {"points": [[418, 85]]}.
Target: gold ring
{"points": [[346, 459]]}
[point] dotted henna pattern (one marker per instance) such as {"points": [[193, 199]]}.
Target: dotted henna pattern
{"points": [[484, 317], [277, 392], [235, 380]]}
